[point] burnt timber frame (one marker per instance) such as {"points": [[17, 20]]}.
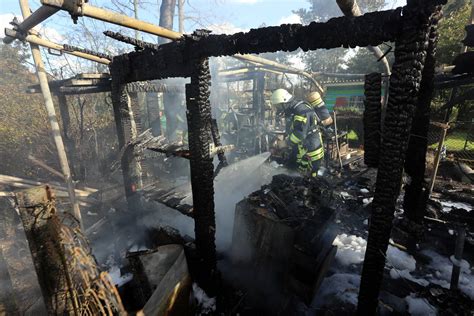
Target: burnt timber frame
{"points": [[188, 57], [372, 118]]}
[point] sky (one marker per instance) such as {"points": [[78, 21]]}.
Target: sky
{"points": [[230, 15], [220, 16]]}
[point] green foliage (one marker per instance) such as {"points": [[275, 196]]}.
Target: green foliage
{"points": [[352, 135], [330, 61], [23, 120], [349, 110], [24, 125], [451, 31], [364, 61]]}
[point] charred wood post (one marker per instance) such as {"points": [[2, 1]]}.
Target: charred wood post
{"points": [[416, 192], [372, 118], [68, 141], [410, 53], [216, 137], [202, 172], [131, 180], [136, 100]]}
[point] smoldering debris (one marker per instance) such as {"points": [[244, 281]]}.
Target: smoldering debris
{"points": [[282, 231]]}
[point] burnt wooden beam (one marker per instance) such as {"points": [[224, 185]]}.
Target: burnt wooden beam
{"points": [[202, 172], [469, 39], [463, 63], [410, 53], [173, 59], [416, 191], [62, 88], [120, 102], [372, 118], [81, 90], [153, 87]]}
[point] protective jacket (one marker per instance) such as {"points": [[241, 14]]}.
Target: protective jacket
{"points": [[304, 135]]}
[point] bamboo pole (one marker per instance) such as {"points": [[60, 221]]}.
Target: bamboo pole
{"points": [[262, 61], [48, 100], [85, 9], [33, 19], [438, 155], [34, 39]]}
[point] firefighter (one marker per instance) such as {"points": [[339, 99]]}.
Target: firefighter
{"points": [[302, 120]]}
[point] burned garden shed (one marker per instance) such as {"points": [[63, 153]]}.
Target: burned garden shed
{"points": [[394, 129], [188, 58]]}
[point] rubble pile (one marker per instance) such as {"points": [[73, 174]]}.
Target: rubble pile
{"points": [[282, 237], [301, 203]]}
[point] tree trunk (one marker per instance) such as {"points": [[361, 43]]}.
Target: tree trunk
{"points": [[181, 15], [166, 17]]}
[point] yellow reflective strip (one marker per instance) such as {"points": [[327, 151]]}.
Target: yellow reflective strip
{"points": [[294, 139], [316, 152], [316, 158], [300, 118], [317, 103]]}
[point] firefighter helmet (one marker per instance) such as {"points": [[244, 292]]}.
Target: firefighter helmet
{"points": [[280, 96]]}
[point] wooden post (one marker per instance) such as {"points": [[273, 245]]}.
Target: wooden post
{"points": [[461, 237], [37, 210], [416, 192], [53, 121], [66, 122], [202, 173], [69, 279], [121, 107], [438, 156]]}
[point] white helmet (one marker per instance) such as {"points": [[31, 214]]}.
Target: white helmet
{"points": [[280, 96]]}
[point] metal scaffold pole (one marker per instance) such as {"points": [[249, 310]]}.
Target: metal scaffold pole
{"points": [[48, 100]]}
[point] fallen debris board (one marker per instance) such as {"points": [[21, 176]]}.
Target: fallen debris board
{"points": [[167, 272]]}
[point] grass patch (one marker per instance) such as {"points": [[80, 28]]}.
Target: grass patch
{"points": [[455, 141]]}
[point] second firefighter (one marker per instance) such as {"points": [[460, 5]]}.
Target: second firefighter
{"points": [[303, 118]]}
